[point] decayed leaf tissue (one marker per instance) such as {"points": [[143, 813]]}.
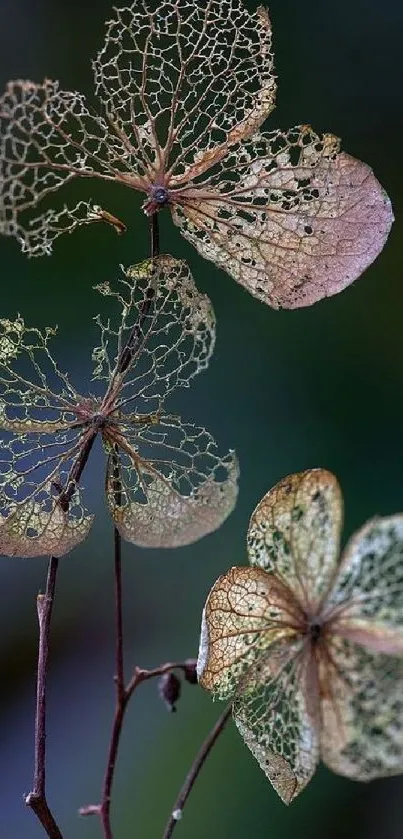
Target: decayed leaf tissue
{"points": [[308, 648], [183, 89], [174, 486]]}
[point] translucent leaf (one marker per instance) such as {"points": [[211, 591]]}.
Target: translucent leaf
{"points": [[35, 395], [182, 80], [198, 77], [278, 717], [368, 590], [39, 444], [311, 655], [35, 472], [47, 138], [184, 88], [295, 533], [176, 487], [250, 651], [41, 232], [169, 326], [39, 526], [362, 712], [288, 216], [247, 611]]}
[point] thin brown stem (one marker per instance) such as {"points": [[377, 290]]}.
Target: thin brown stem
{"points": [[140, 675], [193, 773], [138, 335], [123, 694], [37, 798], [104, 808], [155, 235], [120, 673], [121, 700], [77, 469]]}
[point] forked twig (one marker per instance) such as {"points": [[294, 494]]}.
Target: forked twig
{"points": [[123, 697], [36, 799]]}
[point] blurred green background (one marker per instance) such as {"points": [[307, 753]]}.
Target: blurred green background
{"points": [[288, 390]]}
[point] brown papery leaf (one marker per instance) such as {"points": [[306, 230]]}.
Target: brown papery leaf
{"points": [[295, 532], [40, 527], [176, 485], [289, 216], [184, 89], [310, 650]]}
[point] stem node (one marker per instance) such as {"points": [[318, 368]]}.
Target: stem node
{"points": [[36, 799]]}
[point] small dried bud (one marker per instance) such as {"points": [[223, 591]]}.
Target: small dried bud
{"points": [[189, 671], [169, 689]]}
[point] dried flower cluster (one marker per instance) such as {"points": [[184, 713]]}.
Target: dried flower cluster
{"points": [[309, 653], [174, 486], [310, 649], [183, 89]]}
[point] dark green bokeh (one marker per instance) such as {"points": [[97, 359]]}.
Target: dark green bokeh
{"points": [[289, 390]]}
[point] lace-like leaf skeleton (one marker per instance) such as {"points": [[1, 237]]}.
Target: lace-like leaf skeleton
{"points": [[308, 648], [183, 90], [166, 483]]}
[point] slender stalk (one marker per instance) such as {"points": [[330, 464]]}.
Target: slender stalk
{"points": [[77, 469], [136, 336], [122, 694], [154, 235], [120, 674], [121, 700], [191, 777], [37, 798], [140, 675]]}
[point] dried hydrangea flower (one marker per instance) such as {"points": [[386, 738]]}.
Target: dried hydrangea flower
{"points": [[184, 88], [311, 651], [166, 483]]}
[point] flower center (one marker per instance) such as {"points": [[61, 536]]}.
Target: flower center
{"points": [[98, 420], [315, 629], [159, 194]]}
